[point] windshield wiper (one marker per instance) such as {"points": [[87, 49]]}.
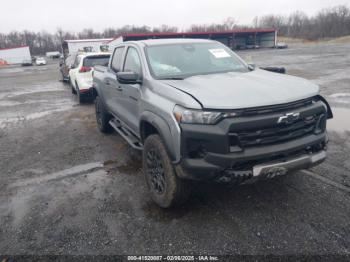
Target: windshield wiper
{"points": [[172, 78]]}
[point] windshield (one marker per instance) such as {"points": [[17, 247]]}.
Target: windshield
{"points": [[92, 61], [188, 59]]}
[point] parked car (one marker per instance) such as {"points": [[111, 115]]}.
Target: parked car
{"points": [[27, 62], [53, 54], [80, 74], [199, 112], [281, 45], [40, 61]]}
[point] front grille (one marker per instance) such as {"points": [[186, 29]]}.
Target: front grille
{"points": [[277, 133]]}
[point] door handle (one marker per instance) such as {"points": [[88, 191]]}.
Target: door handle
{"points": [[107, 83], [119, 88]]}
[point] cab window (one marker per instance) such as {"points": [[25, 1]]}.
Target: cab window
{"points": [[132, 61], [117, 58], [92, 61]]}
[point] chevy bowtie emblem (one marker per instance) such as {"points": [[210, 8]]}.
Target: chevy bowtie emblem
{"points": [[288, 118]]}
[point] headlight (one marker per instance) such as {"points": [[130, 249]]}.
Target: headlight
{"points": [[194, 116]]}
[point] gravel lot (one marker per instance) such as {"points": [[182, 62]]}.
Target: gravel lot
{"points": [[67, 189]]}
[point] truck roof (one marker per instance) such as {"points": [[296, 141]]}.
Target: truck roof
{"points": [[152, 42], [94, 54]]}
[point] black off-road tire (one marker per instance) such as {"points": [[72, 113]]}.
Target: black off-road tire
{"points": [[156, 163], [102, 116]]}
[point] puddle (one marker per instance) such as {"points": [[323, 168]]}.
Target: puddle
{"points": [[76, 170], [11, 70], [33, 89], [22, 70], [5, 122], [331, 76], [339, 95], [8, 103], [340, 121], [30, 195], [45, 113], [343, 98]]}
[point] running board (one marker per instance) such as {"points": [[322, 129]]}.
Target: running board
{"points": [[126, 134]]}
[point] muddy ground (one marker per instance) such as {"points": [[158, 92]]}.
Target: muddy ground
{"points": [[68, 189]]}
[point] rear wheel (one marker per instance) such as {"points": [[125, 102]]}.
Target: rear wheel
{"points": [[102, 116], [167, 189], [80, 97]]}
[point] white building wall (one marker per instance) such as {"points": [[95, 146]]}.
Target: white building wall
{"points": [[112, 44], [74, 47], [15, 55]]}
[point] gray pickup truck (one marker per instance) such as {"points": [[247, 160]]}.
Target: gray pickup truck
{"points": [[199, 112]]}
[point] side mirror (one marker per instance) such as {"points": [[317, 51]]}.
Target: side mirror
{"points": [[128, 78], [251, 67]]}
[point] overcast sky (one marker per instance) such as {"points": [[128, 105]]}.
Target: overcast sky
{"points": [[74, 15]]}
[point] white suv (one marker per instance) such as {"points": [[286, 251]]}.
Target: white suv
{"points": [[80, 73]]}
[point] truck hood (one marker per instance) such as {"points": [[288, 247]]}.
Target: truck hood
{"points": [[242, 90]]}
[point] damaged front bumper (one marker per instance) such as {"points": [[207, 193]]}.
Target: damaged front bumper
{"points": [[273, 169], [265, 169], [255, 145]]}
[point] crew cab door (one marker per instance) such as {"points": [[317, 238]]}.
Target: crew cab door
{"points": [[112, 92], [131, 93]]}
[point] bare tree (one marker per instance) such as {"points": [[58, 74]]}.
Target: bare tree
{"points": [[330, 22], [165, 29]]}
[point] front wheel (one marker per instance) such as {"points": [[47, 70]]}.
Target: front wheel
{"points": [[167, 189], [102, 116]]}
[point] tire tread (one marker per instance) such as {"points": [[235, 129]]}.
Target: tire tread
{"points": [[181, 188]]}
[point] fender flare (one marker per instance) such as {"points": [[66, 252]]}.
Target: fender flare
{"points": [[329, 110], [98, 93], [163, 130]]}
